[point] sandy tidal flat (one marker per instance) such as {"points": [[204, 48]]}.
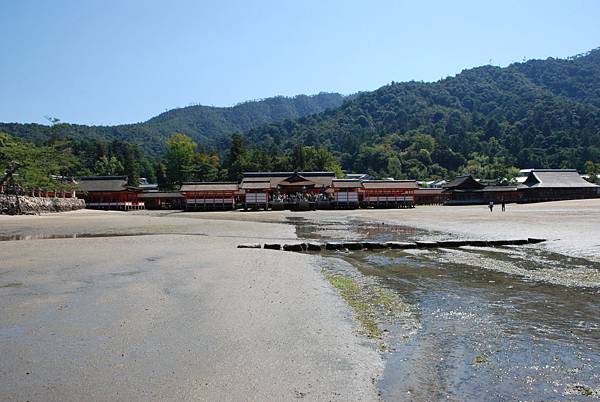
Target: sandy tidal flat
{"points": [[173, 310], [172, 316]]}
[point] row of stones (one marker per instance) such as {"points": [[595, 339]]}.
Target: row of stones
{"points": [[390, 245]]}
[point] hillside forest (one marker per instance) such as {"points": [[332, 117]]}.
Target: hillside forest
{"points": [[487, 121]]}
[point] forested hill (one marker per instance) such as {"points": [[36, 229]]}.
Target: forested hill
{"points": [[541, 113], [207, 125], [485, 121]]}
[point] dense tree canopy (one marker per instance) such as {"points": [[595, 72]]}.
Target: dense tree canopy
{"points": [[179, 158], [485, 121], [542, 114], [61, 156], [35, 166]]}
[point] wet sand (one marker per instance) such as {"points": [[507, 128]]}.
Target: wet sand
{"points": [[571, 227], [181, 313], [479, 323], [171, 317]]}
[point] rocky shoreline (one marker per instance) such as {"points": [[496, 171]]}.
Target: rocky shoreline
{"points": [[26, 205]]}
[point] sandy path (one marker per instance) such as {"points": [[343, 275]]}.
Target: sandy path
{"points": [[171, 317]]}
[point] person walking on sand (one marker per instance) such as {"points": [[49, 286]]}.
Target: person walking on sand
{"points": [[491, 206], [503, 205]]}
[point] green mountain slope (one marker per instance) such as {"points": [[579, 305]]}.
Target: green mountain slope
{"points": [[542, 113], [485, 120], [211, 126]]}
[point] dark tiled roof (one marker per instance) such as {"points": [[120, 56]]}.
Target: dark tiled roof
{"points": [[348, 183], [296, 183], [428, 190], [319, 179], [209, 186], [389, 184], [464, 182], [555, 178], [103, 183], [255, 185]]}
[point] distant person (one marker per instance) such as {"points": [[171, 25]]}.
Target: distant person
{"points": [[491, 206], [503, 205]]}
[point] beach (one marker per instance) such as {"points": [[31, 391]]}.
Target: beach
{"points": [[163, 305], [171, 317]]}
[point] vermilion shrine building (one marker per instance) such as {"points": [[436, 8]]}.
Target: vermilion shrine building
{"points": [[322, 190]]}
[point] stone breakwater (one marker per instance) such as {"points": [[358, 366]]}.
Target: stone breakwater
{"points": [[341, 246], [37, 205]]}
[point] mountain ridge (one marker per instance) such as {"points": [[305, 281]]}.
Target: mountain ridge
{"points": [[208, 125], [540, 113]]}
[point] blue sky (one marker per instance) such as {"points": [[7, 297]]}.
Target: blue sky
{"points": [[110, 62]]}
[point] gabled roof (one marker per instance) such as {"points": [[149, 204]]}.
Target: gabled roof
{"points": [[102, 183], [161, 194], [209, 186], [464, 183], [359, 176], [317, 179], [288, 174], [346, 183], [298, 183], [255, 185], [296, 179], [389, 184], [555, 178]]}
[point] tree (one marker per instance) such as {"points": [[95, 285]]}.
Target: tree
{"points": [[206, 167], [539, 114], [299, 157], [38, 167], [320, 159], [56, 126], [131, 166], [179, 158], [236, 158], [592, 170], [492, 128], [423, 141], [161, 176], [108, 166], [455, 124], [394, 167]]}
